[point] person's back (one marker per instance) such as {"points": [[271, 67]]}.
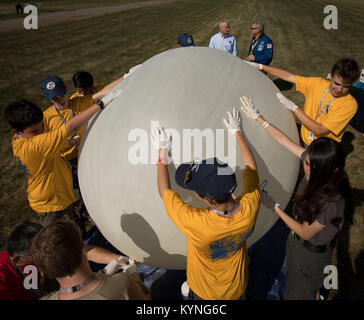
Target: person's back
{"points": [[60, 253], [217, 261], [120, 286], [216, 244]]}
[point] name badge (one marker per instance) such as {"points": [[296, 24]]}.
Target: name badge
{"points": [[310, 136]]}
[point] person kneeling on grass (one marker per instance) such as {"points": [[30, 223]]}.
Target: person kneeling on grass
{"points": [[217, 261], [50, 186]]}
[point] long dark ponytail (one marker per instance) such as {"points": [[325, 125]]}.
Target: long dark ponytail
{"points": [[327, 180]]}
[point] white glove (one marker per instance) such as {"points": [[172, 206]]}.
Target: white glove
{"points": [[234, 123], [258, 66], [160, 139], [73, 140], [110, 96], [248, 108], [131, 71], [287, 103], [131, 267], [124, 263]]}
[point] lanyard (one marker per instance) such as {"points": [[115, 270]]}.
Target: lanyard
{"points": [[326, 106], [60, 115], [253, 46]]}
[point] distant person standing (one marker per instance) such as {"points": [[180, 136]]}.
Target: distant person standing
{"points": [[19, 9], [224, 40], [185, 40], [261, 46]]}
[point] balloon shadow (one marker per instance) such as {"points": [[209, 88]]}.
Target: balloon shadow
{"points": [[143, 235]]}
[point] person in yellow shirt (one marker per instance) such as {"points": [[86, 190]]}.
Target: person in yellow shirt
{"points": [[329, 106], [83, 82], [63, 109], [50, 191], [217, 260]]}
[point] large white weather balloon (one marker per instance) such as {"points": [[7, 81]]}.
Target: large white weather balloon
{"points": [[188, 91]]}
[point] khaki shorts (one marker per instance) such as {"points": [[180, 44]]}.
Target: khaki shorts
{"points": [[46, 218]]}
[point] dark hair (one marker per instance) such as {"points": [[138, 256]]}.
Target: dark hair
{"points": [[347, 68], [20, 239], [22, 114], [219, 201], [327, 180], [83, 79], [57, 249]]}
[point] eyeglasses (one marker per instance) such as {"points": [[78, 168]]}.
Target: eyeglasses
{"points": [[188, 173], [253, 28]]}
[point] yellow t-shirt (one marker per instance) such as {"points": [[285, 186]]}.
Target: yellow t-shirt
{"points": [[217, 260], [50, 186], [339, 114], [95, 89], [52, 121]]}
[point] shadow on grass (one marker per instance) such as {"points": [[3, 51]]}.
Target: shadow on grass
{"points": [[348, 275], [346, 142], [282, 84]]}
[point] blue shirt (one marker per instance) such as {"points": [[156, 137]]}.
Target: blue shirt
{"points": [[227, 43], [263, 50]]}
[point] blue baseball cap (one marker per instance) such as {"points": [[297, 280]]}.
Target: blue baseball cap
{"points": [[185, 40], [53, 86], [210, 178]]}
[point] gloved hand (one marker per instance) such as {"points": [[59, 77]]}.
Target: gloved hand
{"points": [[234, 123], [287, 103], [131, 268], [73, 140], [160, 139], [131, 71], [110, 96], [124, 263], [258, 66], [267, 200], [248, 108]]}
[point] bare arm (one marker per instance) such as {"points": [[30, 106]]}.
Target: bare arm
{"points": [[282, 139], [304, 230], [285, 75], [100, 255], [76, 123], [316, 128], [162, 175], [106, 89], [245, 151], [81, 119]]}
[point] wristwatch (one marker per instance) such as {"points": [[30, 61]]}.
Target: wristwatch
{"points": [[100, 103]]}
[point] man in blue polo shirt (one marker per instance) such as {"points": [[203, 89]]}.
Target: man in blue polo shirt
{"points": [[223, 40], [261, 46]]}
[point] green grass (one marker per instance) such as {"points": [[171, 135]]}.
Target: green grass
{"points": [[109, 45], [7, 8]]}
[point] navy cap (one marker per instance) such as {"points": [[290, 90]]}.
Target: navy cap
{"points": [[53, 86], [185, 40], [210, 178]]}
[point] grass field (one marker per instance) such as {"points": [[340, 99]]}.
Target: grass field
{"points": [[7, 7], [109, 45]]}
